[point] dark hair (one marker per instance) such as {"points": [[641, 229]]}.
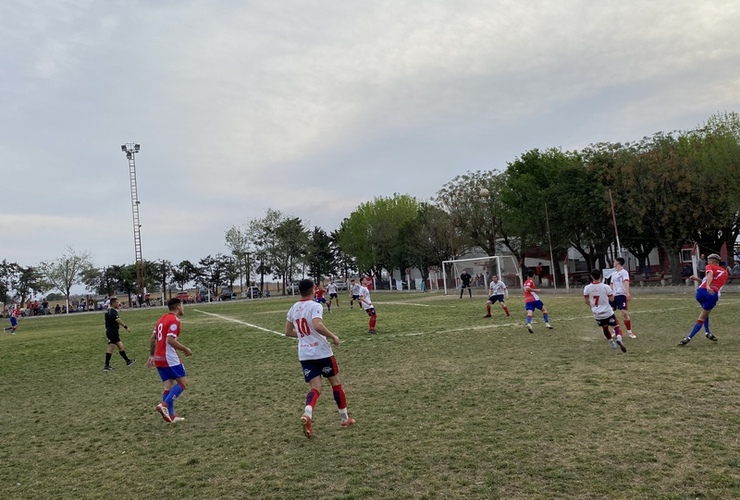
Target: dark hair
{"points": [[596, 274], [530, 273], [113, 299], [620, 260], [305, 286], [173, 303]]}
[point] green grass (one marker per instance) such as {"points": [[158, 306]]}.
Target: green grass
{"points": [[448, 405]]}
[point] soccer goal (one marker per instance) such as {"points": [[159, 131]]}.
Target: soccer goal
{"points": [[481, 269]]}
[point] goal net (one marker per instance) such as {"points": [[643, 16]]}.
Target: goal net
{"points": [[481, 269]]}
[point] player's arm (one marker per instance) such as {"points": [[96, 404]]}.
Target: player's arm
{"points": [[289, 329], [120, 322], [586, 300], [173, 342], [152, 346], [627, 289], [318, 325]]}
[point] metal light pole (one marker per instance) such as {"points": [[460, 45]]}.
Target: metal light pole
{"points": [[130, 149]]}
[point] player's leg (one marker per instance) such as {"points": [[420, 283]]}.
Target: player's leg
{"points": [[122, 352], [109, 355], [545, 316], [314, 383], [505, 307], [707, 301], [488, 307], [176, 390], [530, 310], [341, 400], [373, 319]]}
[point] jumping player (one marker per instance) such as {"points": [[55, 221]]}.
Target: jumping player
{"points": [[707, 296], [332, 289], [532, 301], [367, 305], [164, 344], [620, 283], [497, 292], [304, 322], [598, 295]]}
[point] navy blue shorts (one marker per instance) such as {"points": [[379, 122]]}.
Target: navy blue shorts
{"points": [[531, 306], [13, 321], [332, 295], [496, 298], [322, 300], [706, 299], [326, 367], [619, 303], [171, 372], [610, 321], [355, 297], [370, 312]]}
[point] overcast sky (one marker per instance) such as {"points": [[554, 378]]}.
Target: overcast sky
{"points": [[312, 108]]}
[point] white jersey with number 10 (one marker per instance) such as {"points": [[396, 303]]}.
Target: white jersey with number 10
{"points": [[311, 344]]}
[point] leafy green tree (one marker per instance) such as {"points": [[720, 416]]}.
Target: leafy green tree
{"points": [[320, 258], [29, 282], [238, 241], [345, 263], [262, 233], [9, 272], [66, 271], [472, 201], [427, 239], [291, 246], [184, 273], [373, 233]]}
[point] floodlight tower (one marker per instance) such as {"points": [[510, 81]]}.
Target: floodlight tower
{"points": [[130, 149]]}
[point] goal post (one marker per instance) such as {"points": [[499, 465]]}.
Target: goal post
{"points": [[481, 269]]}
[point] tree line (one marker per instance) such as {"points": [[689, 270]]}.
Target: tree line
{"points": [[668, 190]]}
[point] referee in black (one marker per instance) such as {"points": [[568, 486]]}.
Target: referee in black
{"points": [[112, 325]]}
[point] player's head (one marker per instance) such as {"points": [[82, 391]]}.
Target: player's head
{"points": [[305, 286], [620, 261], [530, 273], [114, 303], [714, 257], [596, 275], [494, 278], [174, 305], [352, 281], [331, 280]]}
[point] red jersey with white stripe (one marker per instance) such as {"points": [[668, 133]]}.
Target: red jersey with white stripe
{"points": [[719, 276], [318, 292], [530, 296], [164, 354]]}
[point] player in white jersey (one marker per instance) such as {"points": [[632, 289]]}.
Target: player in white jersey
{"points": [[305, 322], [354, 293], [497, 291], [597, 295], [331, 289], [367, 305], [620, 283]]}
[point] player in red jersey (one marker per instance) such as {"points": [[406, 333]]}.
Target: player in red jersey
{"points": [[164, 345], [532, 301], [707, 296], [318, 293]]}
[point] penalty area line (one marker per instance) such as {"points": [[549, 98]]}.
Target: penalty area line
{"points": [[226, 318]]}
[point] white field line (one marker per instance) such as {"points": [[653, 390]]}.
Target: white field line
{"points": [[225, 318]]}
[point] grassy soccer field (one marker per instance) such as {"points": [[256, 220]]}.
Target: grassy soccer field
{"points": [[448, 405]]}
